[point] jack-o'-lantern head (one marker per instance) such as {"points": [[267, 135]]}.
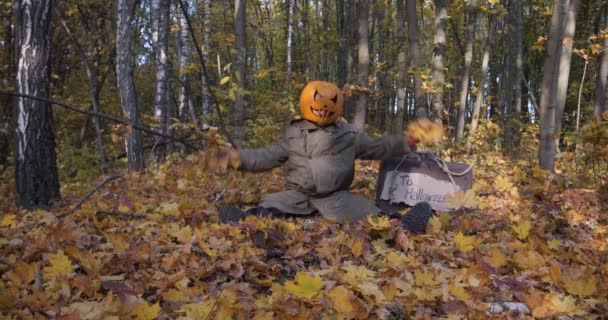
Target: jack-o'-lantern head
{"points": [[321, 102]]}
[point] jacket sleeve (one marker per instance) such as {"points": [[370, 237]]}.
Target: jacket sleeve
{"points": [[265, 158], [369, 148]]}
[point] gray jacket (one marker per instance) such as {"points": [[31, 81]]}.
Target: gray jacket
{"points": [[319, 162]]}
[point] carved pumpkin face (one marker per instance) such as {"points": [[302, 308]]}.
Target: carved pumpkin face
{"points": [[321, 102]]}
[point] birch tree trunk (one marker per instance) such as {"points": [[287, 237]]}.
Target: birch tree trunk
{"points": [[160, 38], [290, 13], [414, 48], [240, 70], [205, 91], [35, 159], [564, 66], [466, 72], [186, 106], [518, 47], [363, 71], [438, 59], [601, 84], [485, 61], [401, 67], [126, 85]]}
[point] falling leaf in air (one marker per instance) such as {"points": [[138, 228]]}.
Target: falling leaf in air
{"points": [[461, 199]]}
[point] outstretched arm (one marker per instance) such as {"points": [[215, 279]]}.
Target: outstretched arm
{"points": [[369, 148], [265, 158]]}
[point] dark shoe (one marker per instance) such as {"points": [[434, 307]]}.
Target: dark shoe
{"points": [[416, 219], [234, 214]]}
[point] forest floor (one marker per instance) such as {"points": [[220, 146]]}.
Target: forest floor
{"points": [[149, 245]]}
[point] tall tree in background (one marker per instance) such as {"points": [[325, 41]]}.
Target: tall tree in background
{"points": [[126, 85], [565, 59], [290, 13], [240, 70], [563, 13], [342, 43], [415, 65], [516, 39], [485, 61], [438, 59], [35, 159], [205, 89], [160, 38], [182, 41], [401, 66], [601, 84], [8, 78], [363, 70], [466, 71]]}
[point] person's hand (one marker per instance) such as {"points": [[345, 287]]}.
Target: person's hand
{"points": [[222, 158], [423, 131]]}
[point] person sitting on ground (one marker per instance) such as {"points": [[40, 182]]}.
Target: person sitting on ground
{"points": [[318, 154]]}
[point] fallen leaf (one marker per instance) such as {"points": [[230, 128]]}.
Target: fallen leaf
{"points": [[306, 285]]}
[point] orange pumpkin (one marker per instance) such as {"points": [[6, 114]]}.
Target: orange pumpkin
{"points": [[321, 102]]}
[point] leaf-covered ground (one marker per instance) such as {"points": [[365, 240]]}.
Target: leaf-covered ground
{"points": [[526, 249]]}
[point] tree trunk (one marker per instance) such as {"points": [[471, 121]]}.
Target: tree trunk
{"points": [[599, 104], [548, 100], [415, 65], [205, 89], [240, 70], [363, 71], [518, 47], [485, 61], [342, 43], [126, 85], [35, 159], [351, 30], [160, 38], [186, 107], [564, 67], [466, 72], [7, 102], [290, 13], [401, 67], [438, 59]]}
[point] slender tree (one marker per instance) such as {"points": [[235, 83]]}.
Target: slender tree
{"points": [[363, 72], [205, 89], [240, 70], [466, 70], [126, 85], [182, 41], [342, 42], [401, 66], [438, 59], [35, 159], [415, 65], [160, 38], [485, 61], [565, 59], [601, 87]]}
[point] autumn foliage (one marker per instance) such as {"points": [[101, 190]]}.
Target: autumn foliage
{"points": [[149, 246]]}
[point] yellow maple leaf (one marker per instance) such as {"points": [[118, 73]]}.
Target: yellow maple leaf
{"points": [[459, 292], [426, 278], [306, 285], [522, 229], [502, 183], [584, 285], [357, 274], [59, 265], [8, 220], [496, 259], [341, 299], [170, 209], [369, 289], [145, 311], [461, 199], [196, 310], [529, 259], [567, 305], [465, 243], [379, 222]]}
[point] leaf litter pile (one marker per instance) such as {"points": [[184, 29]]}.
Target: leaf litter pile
{"points": [[149, 246]]}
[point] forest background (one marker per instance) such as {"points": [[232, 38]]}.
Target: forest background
{"points": [[519, 85]]}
